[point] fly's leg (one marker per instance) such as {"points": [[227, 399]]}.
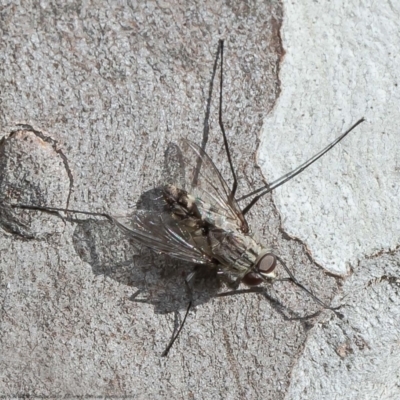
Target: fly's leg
{"points": [[221, 125], [232, 283], [206, 128], [292, 279], [314, 297], [274, 302], [301, 286], [190, 293], [220, 52], [290, 175]]}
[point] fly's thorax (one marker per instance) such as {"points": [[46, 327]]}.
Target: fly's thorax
{"points": [[236, 252], [184, 205], [180, 202], [183, 209]]}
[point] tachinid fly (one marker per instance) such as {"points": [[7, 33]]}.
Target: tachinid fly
{"points": [[196, 218]]}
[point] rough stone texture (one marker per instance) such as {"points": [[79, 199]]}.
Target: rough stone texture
{"points": [[84, 311], [357, 357], [29, 160], [340, 65]]}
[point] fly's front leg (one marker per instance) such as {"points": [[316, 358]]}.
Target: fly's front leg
{"points": [[230, 282], [190, 278]]}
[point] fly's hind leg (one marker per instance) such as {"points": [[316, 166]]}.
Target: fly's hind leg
{"points": [[175, 334]]}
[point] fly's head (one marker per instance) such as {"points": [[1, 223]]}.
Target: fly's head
{"points": [[264, 269]]}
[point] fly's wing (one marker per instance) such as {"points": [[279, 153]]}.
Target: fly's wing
{"points": [[152, 223], [153, 226], [161, 233], [205, 183]]}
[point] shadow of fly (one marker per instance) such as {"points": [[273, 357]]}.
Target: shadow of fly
{"points": [[196, 218]]}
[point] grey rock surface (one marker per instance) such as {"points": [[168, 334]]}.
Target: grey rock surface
{"points": [[85, 312], [340, 66]]}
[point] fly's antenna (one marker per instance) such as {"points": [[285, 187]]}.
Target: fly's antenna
{"points": [[262, 191], [221, 125]]}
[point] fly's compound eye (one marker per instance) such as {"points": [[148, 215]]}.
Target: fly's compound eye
{"points": [[266, 265], [264, 268]]}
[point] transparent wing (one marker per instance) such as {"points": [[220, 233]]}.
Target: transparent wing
{"points": [[204, 182], [162, 235], [154, 226]]}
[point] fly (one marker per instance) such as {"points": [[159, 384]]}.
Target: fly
{"points": [[197, 219]]}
